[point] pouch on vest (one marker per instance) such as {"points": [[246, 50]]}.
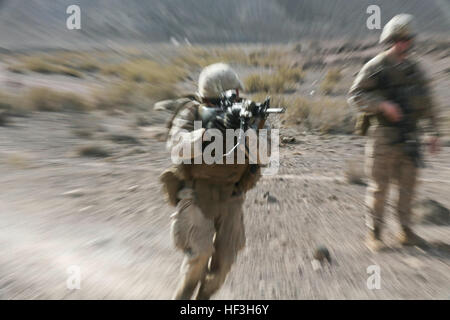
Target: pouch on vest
{"points": [[171, 184], [362, 123]]}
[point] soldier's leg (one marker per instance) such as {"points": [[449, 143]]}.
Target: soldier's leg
{"points": [[407, 181], [378, 170], [192, 272], [192, 233], [230, 238]]}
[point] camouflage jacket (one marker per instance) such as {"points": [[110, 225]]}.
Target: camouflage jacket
{"points": [[379, 79], [243, 176]]}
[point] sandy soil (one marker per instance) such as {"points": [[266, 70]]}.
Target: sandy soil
{"points": [[107, 216]]}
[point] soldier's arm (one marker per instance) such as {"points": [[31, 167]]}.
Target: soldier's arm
{"points": [[427, 102], [364, 94], [183, 135]]}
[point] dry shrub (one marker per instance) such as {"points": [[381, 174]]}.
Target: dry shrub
{"points": [[12, 105], [44, 99], [256, 83], [149, 71], [160, 92], [6, 101], [140, 80], [327, 115], [292, 74], [116, 95], [42, 65], [267, 83], [267, 58], [330, 81]]}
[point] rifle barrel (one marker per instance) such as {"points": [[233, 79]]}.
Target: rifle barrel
{"points": [[275, 110]]}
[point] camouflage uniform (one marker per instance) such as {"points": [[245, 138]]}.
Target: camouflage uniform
{"points": [[208, 223], [385, 161]]}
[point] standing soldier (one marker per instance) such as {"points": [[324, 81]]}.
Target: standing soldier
{"points": [[391, 95], [208, 223]]}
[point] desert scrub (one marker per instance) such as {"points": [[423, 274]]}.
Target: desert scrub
{"points": [[7, 101], [150, 71], [330, 81], [267, 58], [123, 94], [41, 65], [256, 83], [327, 115], [268, 83], [44, 99], [291, 74], [131, 95], [139, 79]]}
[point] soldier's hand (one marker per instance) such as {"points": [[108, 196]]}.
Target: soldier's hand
{"points": [[391, 111], [217, 123], [232, 118], [434, 145]]}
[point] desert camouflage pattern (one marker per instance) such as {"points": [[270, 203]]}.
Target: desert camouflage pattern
{"points": [[400, 26], [208, 222], [385, 162]]}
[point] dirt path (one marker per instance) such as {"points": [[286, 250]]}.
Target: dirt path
{"points": [[107, 217]]}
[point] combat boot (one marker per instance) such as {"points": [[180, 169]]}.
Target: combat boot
{"points": [[373, 240], [407, 237]]}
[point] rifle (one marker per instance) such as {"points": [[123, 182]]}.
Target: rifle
{"points": [[250, 113], [407, 126]]}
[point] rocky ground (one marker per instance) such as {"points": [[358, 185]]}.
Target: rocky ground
{"points": [[107, 216], [62, 207]]}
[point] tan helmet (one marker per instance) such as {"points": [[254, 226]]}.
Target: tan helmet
{"points": [[217, 78], [399, 27]]}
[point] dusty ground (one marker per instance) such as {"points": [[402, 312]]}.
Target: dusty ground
{"points": [[108, 217]]}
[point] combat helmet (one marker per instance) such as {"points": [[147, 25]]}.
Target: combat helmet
{"points": [[399, 27], [216, 79]]}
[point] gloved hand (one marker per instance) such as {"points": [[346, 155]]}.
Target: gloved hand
{"points": [[232, 118], [226, 120]]}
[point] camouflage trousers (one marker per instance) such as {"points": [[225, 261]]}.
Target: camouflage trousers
{"points": [[208, 227], [386, 164]]}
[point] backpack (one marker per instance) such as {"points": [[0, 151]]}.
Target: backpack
{"points": [[179, 105]]}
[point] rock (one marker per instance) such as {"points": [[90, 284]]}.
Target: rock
{"points": [[288, 140], [95, 151], [321, 254], [270, 199], [124, 139], [429, 211], [74, 193], [133, 188], [3, 118], [316, 265], [157, 133]]}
